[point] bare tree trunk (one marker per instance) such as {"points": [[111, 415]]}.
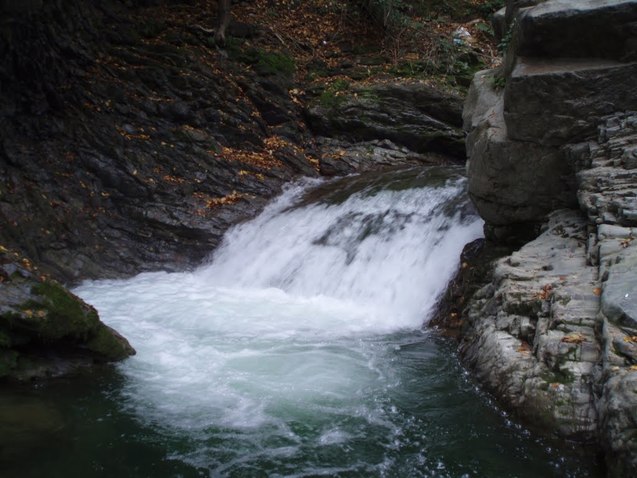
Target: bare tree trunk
{"points": [[223, 18]]}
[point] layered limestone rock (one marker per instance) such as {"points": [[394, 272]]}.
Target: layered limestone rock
{"points": [[607, 190], [557, 82], [552, 146], [531, 331], [552, 328]]}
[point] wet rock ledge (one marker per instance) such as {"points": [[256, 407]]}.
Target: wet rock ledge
{"points": [[550, 327]]}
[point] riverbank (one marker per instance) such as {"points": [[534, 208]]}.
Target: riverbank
{"points": [[549, 327]]}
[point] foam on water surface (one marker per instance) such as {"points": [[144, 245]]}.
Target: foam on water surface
{"points": [[285, 344]]}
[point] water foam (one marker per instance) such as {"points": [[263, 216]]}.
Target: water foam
{"points": [[282, 337]]}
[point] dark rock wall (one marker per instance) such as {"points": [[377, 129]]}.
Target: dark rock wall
{"points": [[128, 141]]}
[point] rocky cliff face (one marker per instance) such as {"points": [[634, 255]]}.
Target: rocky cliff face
{"points": [[551, 145], [128, 141]]}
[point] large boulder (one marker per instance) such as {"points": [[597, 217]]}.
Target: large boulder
{"points": [[510, 182], [522, 118], [45, 329], [578, 28]]}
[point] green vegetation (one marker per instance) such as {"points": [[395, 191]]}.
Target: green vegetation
{"points": [[498, 81], [59, 314], [8, 361], [264, 62], [506, 39], [107, 344], [273, 63], [333, 95]]}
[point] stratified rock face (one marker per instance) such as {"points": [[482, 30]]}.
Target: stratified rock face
{"points": [[414, 116], [45, 329], [561, 77], [128, 143], [608, 195], [341, 157], [531, 336], [553, 332]]}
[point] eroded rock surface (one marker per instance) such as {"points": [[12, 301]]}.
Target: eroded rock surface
{"points": [[414, 116], [552, 327], [131, 143], [560, 78]]}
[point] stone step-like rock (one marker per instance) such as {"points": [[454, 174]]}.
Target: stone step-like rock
{"points": [[557, 28], [607, 180], [557, 101], [510, 182]]}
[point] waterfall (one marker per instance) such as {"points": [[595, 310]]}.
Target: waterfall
{"points": [[285, 340]]}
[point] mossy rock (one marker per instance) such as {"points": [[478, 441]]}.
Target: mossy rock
{"points": [[109, 344], [47, 330], [55, 313]]}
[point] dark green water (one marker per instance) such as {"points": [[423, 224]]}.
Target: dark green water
{"points": [[83, 427]]}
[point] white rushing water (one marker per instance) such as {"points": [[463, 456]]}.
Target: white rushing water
{"points": [[287, 323]]}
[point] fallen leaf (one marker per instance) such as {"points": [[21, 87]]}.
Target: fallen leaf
{"points": [[575, 338]]}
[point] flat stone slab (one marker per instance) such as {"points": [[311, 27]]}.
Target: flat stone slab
{"points": [[558, 28], [415, 116], [557, 101], [619, 300]]}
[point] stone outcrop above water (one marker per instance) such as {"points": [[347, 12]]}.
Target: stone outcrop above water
{"points": [[45, 330], [510, 182], [554, 88], [551, 329], [557, 101], [531, 332], [415, 116]]}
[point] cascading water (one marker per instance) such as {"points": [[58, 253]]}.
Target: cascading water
{"points": [[298, 350]]}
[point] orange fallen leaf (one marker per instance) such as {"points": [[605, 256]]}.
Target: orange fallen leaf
{"points": [[575, 338]]}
